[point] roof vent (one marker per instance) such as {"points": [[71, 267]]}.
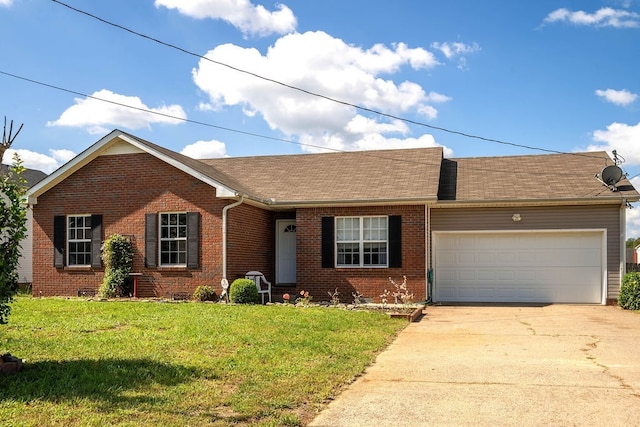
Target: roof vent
{"points": [[612, 174]]}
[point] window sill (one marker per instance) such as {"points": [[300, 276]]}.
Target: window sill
{"points": [[172, 267], [360, 266], [79, 268]]}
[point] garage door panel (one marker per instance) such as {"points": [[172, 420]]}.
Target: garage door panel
{"points": [[512, 267]]}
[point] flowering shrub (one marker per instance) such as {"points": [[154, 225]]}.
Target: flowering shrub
{"points": [[402, 292], [384, 298], [286, 298], [357, 298], [335, 299], [304, 299]]}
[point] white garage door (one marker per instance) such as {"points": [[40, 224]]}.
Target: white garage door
{"points": [[519, 267]]}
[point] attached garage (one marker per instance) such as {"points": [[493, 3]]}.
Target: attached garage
{"points": [[555, 266]]}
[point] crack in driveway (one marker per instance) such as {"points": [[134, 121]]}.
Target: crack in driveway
{"points": [[588, 350]]}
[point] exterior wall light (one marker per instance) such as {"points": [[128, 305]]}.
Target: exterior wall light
{"points": [[516, 217]]}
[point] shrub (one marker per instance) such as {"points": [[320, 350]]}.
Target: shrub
{"points": [[117, 255], [243, 291], [204, 293], [629, 297]]}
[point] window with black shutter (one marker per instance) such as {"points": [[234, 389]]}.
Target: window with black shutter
{"points": [[362, 241], [172, 239]]}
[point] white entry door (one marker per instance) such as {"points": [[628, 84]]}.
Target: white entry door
{"points": [[286, 251]]}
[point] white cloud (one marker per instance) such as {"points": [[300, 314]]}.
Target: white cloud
{"points": [[205, 149], [633, 215], [457, 51], [454, 49], [42, 162], [6, 3], [96, 116], [604, 17], [319, 63], [618, 97], [621, 137], [438, 97], [242, 14]]}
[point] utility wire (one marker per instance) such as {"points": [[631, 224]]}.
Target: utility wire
{"points": [[369, 153], [308, 92]]}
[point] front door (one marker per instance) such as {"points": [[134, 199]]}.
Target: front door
{"points": [[286, 251]]}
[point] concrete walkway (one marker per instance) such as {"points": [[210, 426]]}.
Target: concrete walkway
{"points": [[560, 365]]}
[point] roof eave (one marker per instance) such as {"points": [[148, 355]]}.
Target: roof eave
{"points": [[295, 204], [102, 145], [537, 202]]}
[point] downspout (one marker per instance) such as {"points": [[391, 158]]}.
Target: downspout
{"points": [[224, 282], [623, 246], [429, 268]]}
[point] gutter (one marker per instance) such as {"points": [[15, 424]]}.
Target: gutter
{"points": [[533, 202], [224, 282]]}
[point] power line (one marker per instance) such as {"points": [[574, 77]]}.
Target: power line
{"points": [[308, 92], [74, 92], [370, 153]]}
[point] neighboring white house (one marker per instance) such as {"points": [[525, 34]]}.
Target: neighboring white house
{"points": [[25, 267]]}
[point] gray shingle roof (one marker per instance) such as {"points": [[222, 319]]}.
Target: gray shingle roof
{"points": [[535, 177], [409, 175], [33, 176], [378, 176]]}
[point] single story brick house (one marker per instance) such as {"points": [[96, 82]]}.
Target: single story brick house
{"points": [[521, 229]]}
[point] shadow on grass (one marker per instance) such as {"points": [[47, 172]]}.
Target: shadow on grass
{"points": [[123, 382]]}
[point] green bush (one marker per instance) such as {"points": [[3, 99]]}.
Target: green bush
{"points": [[204, 293], [117, 255], [243, 291], [629, 297]]}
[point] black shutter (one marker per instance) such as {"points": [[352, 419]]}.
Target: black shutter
{"points": [[96, 241], [193, 239], [58, 240], [328, 242], [151, 240], [395, 241]]}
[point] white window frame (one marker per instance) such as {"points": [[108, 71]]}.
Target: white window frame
{"points": [[176, 239], [361, 242], [73, 231]]}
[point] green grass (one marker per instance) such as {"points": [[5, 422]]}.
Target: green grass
{"points": [[91, 363]]}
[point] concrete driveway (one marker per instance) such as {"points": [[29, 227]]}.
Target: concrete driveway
{"points": [[560, 365]]}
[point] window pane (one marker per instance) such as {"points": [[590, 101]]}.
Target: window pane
{"points": [[348, 229], [348, 254], [375, 228], [375, 254]]}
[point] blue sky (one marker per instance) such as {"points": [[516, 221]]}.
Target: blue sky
{"points": [[554, 75]]}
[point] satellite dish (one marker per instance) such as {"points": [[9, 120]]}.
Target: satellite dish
{"points": [[611, 175]]}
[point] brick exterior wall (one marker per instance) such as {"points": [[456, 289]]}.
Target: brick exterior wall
{"points": [[250, 242], [370, 282], [123, 188]]}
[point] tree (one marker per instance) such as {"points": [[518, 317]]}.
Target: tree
{"points": [[633, 242], [13, 222]]}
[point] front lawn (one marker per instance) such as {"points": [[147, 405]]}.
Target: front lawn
{"points": [[94, 363]]}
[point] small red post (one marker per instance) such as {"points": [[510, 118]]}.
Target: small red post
{"points": [[135, 283]]}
